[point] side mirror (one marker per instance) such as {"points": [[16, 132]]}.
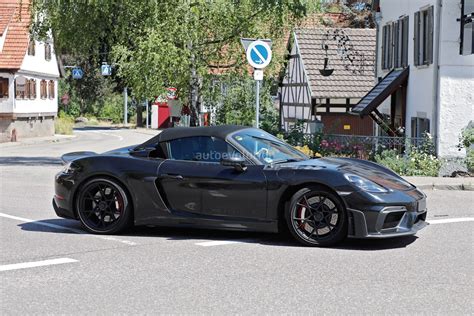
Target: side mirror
{"points": [[237, 162]]}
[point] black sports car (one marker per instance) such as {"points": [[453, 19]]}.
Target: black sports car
{"points": [[236, 178]]}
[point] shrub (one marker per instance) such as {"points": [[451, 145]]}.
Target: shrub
{"points": [[307, 151], [418, 161], [63, 124], [466, 140]]}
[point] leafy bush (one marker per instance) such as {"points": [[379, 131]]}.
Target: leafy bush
{"points": [[418, 161], [466, 140], [112, 109], [63, 124], [307, 151]]}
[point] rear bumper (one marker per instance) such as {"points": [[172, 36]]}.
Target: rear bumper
{"points": [[392, 221], [62, 211]]}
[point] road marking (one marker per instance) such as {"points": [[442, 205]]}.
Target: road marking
{"points": [[60, 227], [34, 264], [450, 220], [103, 133], [217, 243]]}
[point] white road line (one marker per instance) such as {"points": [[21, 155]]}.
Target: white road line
{"points": [[60, 227], [450, 220], [34, 264], [217, 243], [103, 133]]}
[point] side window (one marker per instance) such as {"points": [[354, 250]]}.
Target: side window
{"points": [[200, 148]]}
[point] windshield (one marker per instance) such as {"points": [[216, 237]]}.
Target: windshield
{"points": [[267, 148]]}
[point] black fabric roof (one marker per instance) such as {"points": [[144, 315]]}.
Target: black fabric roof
{"points": [[389, 84], [220, 131]]}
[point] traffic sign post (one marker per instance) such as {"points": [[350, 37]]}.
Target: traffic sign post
{"points": [[259, 55]]}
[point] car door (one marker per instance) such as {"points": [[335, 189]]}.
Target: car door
{"points": [[193, 180]]}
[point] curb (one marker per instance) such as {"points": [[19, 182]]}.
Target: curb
{"points": [[458, 187], [32, 141]]}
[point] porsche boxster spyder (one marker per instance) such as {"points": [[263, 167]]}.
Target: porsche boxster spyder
{"points": [[236, 178]]}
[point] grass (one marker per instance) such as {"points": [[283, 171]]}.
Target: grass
{"points": [[63, 125]]}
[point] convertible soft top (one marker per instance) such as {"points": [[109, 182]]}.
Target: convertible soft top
{"points": [[220, 131]]}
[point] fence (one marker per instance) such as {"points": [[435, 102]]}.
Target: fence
{"points": [[362, 146]]}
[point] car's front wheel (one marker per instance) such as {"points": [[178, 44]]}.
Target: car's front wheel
{"points": [[316, 217], [103, 206]]}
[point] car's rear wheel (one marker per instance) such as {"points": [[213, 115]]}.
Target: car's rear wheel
{"points": [[103, 206], [316, 217]]}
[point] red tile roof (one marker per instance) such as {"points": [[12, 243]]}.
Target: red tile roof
{"points": [[15, 19]]}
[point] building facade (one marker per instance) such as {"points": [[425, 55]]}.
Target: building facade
{"points": [[327, 72], [28, 76], [425, 66]]}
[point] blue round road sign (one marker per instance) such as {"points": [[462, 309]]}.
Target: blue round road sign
{"points": [[259, 54]]}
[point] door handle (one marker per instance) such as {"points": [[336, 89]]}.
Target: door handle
{"points": [[172, 176]]}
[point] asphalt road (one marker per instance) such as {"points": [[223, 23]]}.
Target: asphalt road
{"points": [[157, 270]]}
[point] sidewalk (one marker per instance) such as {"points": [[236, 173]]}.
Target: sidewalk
{"points": [[439, 183], [38, 140]]}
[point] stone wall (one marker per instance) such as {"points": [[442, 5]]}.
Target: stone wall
{"points": [[25, 127]]}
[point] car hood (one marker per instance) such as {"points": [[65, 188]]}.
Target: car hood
{"points": [[367, 169]]}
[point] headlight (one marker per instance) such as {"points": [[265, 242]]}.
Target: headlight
{"points": [[364, 183], [70, 168]]}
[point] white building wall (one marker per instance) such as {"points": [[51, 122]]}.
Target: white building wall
{"points": [[448, 104], [421, 81], [37, 64], [456, 83]]}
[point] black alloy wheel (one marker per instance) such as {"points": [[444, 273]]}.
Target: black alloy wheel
{"points": [[316, 217], [103, 206]]}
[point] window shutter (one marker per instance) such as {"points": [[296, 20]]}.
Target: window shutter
{"points": [[396, 43], [416, 39], [384, 36], [405, 26], [390, 47], [429, 55]]}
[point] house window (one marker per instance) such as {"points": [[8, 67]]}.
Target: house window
{"points": [[400, 45], [31, 47], [387, 47], [47, 51], [20, 88], [467, 27], [419, 126], [423, 39], [32, 89], [51, 89], [43, 89], [4, 88]]}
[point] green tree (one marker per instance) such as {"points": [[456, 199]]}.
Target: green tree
{"points": [[156, 44]]}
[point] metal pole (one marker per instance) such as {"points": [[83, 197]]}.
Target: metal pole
{"points": [[146, 104], [125, 106], [257, 105]]}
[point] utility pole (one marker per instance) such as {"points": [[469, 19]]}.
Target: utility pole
{"points": [[125, 106]]}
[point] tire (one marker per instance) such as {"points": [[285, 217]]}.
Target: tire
{"points": [[323, 223], [103, 206]]}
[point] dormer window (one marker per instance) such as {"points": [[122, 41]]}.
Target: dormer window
{"points": [[47, 51], [31, 47]]}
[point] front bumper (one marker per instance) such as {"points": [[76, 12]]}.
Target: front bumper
{"points": [[390, 221]]}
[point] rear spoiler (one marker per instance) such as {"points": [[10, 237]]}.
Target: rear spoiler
{"points": [[76, 155]]}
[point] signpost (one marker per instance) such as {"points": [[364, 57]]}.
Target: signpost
{"points": [[259, 55], [77, 73]]}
